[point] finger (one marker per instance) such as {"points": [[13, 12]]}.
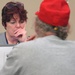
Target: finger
{"points": [[31, 37]]}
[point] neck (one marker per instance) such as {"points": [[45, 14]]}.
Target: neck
{"points": [[49, 33], [11, 40], [45, 34]]}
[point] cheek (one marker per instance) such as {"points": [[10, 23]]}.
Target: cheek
{"points": [[23, 25], [10, 29]]}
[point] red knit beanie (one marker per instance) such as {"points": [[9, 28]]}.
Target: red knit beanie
{"points": [[54, 12]]}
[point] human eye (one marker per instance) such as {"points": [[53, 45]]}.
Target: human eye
{"points": [[21, 21], [12, 22]]}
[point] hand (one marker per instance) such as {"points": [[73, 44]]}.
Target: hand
{"points": [[20, 34], [32, 37]]}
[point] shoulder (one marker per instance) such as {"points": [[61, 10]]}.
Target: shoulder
{"points": [[2, 39], [28, 46], [2, 34], [70, 43]]}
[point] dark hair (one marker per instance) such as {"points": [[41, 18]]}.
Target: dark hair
{"points": [[12, 8]]}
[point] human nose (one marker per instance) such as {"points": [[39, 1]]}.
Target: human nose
{"points": [[17, 24]]}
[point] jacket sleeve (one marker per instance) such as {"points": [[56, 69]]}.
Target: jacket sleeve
{"points": [[12, 66]]}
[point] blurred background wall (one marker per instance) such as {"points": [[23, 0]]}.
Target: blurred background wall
{"points": [[32, 6]]}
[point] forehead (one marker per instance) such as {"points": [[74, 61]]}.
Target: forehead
{"points": [[16, 16]]}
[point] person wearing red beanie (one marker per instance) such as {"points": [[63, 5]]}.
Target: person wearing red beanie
{"points": [[50, 53], [55, 13]]}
